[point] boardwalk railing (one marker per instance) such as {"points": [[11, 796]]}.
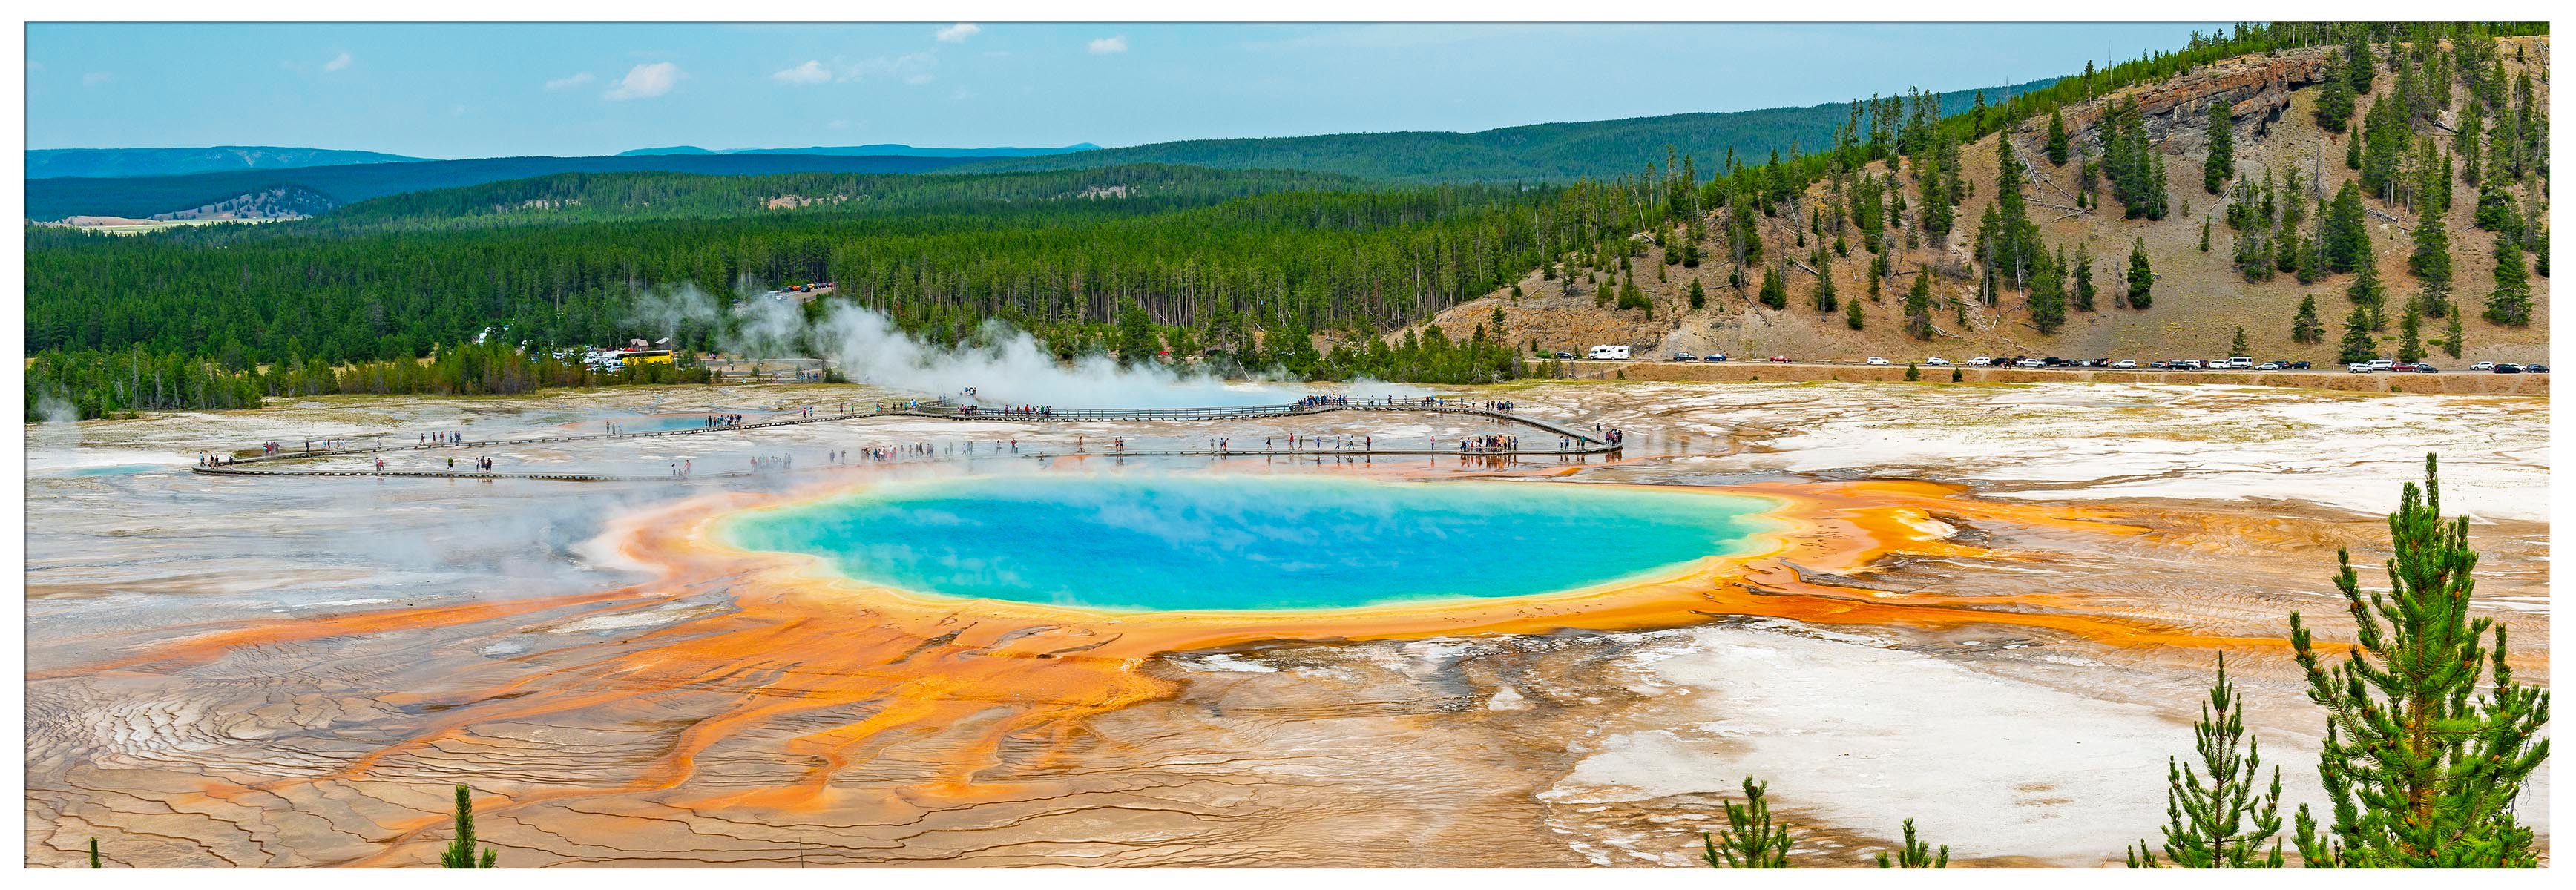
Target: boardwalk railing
{"points": [[1582, 443]]}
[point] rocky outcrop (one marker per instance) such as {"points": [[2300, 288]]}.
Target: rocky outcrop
{"points": [[2255, 87]]}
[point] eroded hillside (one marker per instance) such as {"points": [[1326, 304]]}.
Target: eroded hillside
{"points": [[2199, 298]]}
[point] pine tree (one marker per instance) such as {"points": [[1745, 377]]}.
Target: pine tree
{"points": [[2220, 820], [1698, 295], [1914, 853], [2510, 303], [2305, 327], [2334, 108], [1918, 305], [1912, 373], [2410, 342], [2431, 261], [1774, 293], [2451, 337], [1749, 840], [1852, 315], [2204, 235], [2423, 770], [2221, 164], [2366, 289], [2345, 230], [2048, 293], [1825, 303], [93, 854], [2142, 279], [2084, 290], [2057, 143], [460, 853], [2358, 345], [2237, 346]]}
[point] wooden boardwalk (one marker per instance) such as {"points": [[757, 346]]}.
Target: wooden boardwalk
{"points": [[1583, 443]]}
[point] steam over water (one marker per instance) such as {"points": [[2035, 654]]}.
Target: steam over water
{"points": [[1216, 543]]}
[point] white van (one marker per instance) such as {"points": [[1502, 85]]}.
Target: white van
{"points": [[2240, 361], [1615, 353]]}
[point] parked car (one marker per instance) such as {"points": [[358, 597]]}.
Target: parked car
{"points": [[2535, 369], [1780, 358], [2414, 368], [1981, 361], [2125, 363], [2483, 366], [2269, 366], [2301, 366], [2031, 363], [1937, 362], [2382, 364], [1564, 354], [1714, 357], [2240, 361], [2508, 368], [1875, 360], [2422, 368], [1684, 357], [2357, 368], [2183, 364]]}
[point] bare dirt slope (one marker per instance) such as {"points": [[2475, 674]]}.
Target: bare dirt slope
{"points": [[2200, 299]]}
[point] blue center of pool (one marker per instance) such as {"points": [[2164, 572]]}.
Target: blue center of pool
{"points": [[1194, 543]]}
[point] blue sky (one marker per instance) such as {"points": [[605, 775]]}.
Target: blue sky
{"points": [[480, 90]]}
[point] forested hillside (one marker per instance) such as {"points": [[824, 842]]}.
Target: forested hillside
{"points": [[2378, 188], [1557, 152], [2357, 203]]}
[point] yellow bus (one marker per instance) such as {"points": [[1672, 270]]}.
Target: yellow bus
{"points": [[645, 357]]}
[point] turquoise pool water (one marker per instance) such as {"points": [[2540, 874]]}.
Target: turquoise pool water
{"points": [[1240, 542]]}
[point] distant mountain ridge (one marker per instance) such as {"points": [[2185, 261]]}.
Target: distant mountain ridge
{"points": [[887, 149], [146, 196], [45, 163], [1532, 152]]}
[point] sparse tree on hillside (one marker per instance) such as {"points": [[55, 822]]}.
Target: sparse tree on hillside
{"points": [[1825, 303], [2510, 303], [1774, 293], [1918, 305], [2425, 758], [1852, 315], [2451, 335], [2048, 293], [2366, 289], [2431, 261], [1698, 295], [2334, 106], [2345, 231], [2084, 289], [2142, 278], [2410, 341], [2237, 346], [2221, 164], [2305, 327], [2057, 143], [2358, 345], [2204, 235]]}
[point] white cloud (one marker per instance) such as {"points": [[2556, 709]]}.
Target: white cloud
{"points": [[565, 83], [646, 81], [338, 62], [905, 67], [958, 33], [810, 72], [95, 78], [917, 79], [1107, 45]]}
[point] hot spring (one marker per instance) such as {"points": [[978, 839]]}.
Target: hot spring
{"points": [[1201, 543]]}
